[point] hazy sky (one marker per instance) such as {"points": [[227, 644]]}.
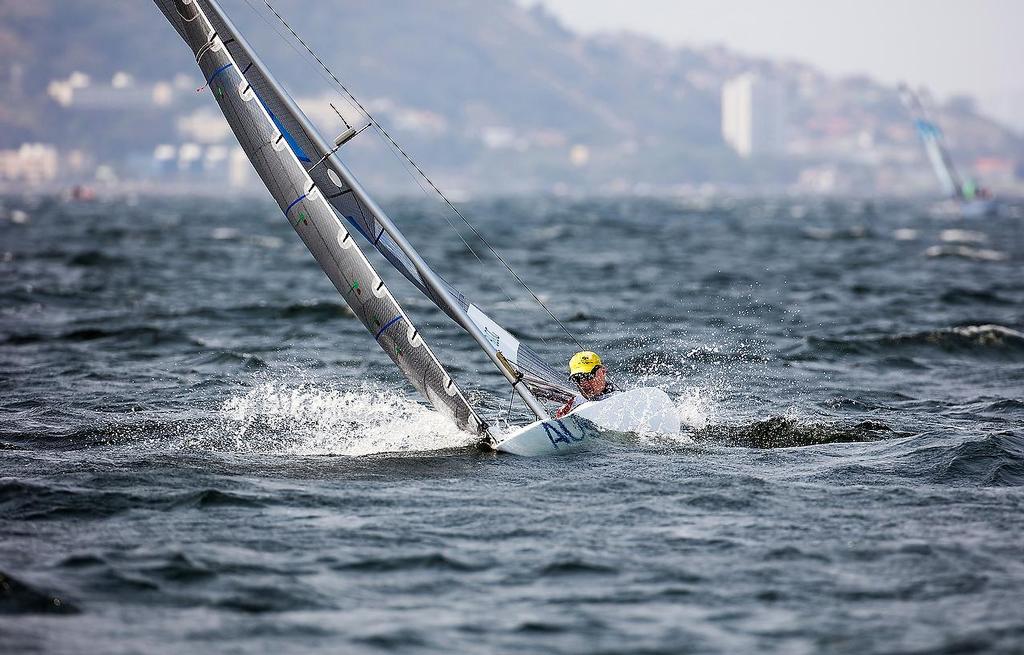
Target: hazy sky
{"points": [[951, 46]]}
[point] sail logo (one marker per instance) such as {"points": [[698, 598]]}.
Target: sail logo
{"points": [[493, 337], [558, 432]]}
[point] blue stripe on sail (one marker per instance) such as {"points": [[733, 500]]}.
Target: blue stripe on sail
{"points": [[390, 255], [387, 325], [218, 72], [289, 139], [359, 228], [926, 128], [294, 202]]}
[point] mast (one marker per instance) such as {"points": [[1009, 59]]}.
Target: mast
{"points": [[277, 158], [947, 159], [931, 136], [431, 279]]}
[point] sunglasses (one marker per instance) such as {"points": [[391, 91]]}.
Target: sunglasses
{"points": [[585, 377]]}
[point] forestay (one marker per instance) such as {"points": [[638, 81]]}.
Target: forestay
{"points": [[281, 152]]}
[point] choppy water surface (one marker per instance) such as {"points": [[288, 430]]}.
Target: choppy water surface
{"points": [[202, 450]]}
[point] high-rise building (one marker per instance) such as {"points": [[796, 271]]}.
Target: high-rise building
{"points": [[753, 115]]}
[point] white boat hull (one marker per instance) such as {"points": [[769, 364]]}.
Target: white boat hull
{"points": [[643, 411], [952, 209], [977, 208]]}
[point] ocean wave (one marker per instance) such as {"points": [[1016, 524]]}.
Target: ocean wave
{"points": [[207, 498], [134, 335], [963, 296], [571, 566], [962, 236], [321, 419], [696, 407], [1005, 405], [433, 560], [994, 460], [234, 234], [975, 340], [103, 429], [219, 358], [26, 501], [967, 252], [314, 311], [95, 259], [932, 458], [842, 234], [17, 597], [263, 599], [717, 355], [785, 432]]}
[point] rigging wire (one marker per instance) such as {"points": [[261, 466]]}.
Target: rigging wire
{"points": [[402, 162], [305, 55], [421, 173], [511, 399]]}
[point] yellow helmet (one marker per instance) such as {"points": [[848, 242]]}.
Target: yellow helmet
{"points": [[584, 362]]}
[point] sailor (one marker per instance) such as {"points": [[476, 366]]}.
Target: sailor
{"points": [[589, 374]]}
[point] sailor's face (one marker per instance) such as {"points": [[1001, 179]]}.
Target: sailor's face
{"points": [[593, 386]]}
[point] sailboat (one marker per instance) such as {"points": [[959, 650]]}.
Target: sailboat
{"points": [[964, 196], [330, 210]]}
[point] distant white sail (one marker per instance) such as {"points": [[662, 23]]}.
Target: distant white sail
{"points": [[934, 144]]}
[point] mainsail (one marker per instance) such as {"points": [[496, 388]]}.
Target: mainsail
{"points": [[275, 154], [314, 189], [934, 144], [541, 378]]}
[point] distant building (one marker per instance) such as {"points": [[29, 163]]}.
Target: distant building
{"points": [[196, 164], [122, 94], [32, 163], [995, 171], [241, 174], [822, 179], [753, 115]]}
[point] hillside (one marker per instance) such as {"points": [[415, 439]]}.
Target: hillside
{"points": [[490, 94]]}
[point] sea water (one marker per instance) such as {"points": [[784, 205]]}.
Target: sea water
{"points": [[201, 449]]}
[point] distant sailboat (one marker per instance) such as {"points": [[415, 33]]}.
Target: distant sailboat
{"points": [[967, 199], [328, 208]]}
